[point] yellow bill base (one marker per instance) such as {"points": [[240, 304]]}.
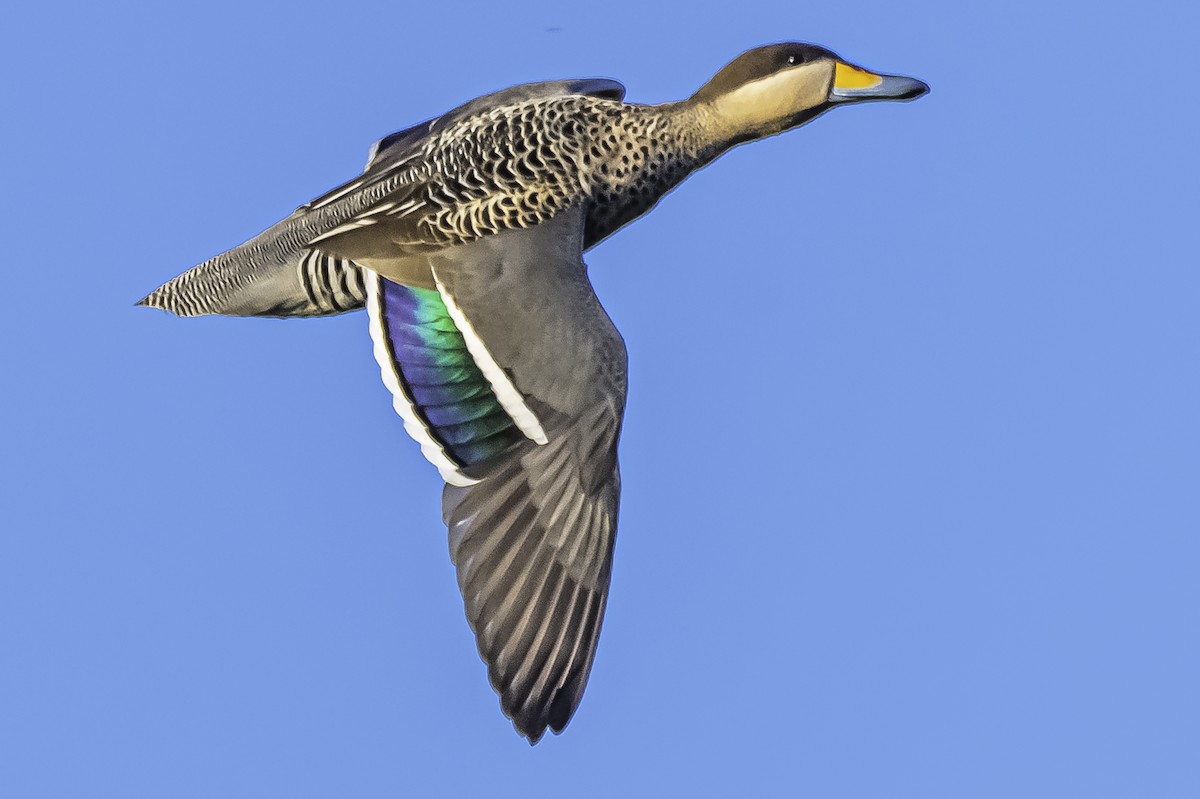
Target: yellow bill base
{"points": [[848, 77]]}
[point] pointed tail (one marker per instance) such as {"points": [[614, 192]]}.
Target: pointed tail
{"points": [[309, 283]]}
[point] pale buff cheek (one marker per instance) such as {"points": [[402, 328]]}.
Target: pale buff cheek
{"points": [[777, 96]]}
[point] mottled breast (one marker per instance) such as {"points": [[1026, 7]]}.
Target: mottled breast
{"points": [[519, 165], [638, 154]]}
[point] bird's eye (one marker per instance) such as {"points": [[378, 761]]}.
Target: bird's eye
{"points": [[791, 59]]}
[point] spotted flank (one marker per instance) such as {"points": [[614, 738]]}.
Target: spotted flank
{"points": [[447, 404]]}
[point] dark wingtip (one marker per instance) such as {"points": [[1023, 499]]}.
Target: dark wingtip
{"points": [[531, 734], [562, 707], [532, 726]]}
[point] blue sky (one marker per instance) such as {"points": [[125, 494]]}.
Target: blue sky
{"points": [[910, 464]]}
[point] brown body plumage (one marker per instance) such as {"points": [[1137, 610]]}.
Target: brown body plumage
{"points": [[516, 165]]}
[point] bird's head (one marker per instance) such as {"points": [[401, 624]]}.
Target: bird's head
{"points": [[771, 89]]}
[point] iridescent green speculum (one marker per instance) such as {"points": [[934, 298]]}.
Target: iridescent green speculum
{"points": [[448, 392]]}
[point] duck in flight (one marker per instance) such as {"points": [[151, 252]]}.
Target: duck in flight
{"points": [[464, 238]]}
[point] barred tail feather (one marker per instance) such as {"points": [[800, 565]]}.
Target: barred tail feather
{"points": [[314, 284]]}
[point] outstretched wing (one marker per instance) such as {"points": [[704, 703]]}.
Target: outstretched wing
{"points": [[533, 521]]}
